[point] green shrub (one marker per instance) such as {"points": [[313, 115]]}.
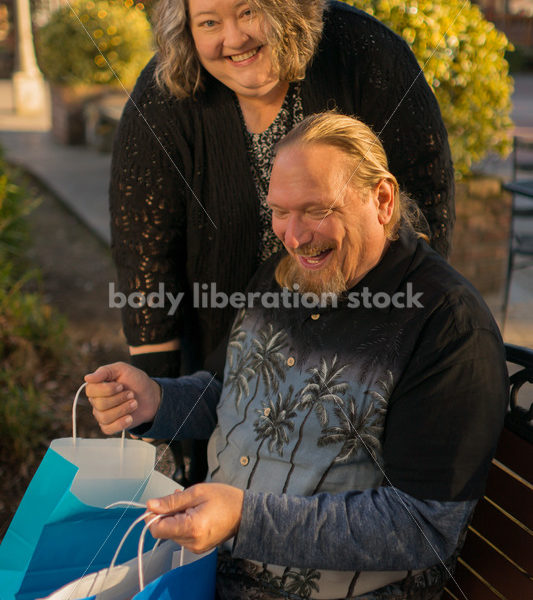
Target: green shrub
{"points": [[14, 206], [31, 340], [30, 331], [31, 334], [122, 40], [26, 418], [463, 59]]}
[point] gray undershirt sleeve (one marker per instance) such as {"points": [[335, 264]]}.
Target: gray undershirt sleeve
{"points": [[187, 409], [377, 529]]}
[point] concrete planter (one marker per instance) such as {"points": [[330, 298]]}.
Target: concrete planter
{"points": [[102, 117], [68, 105], [481, 234]]}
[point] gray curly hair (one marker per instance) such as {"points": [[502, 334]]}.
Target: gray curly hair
{"points": [[293, 31]]}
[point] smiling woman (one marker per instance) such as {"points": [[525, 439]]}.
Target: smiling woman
{"points": [[231, 45], [290, 28], [194, 151]]}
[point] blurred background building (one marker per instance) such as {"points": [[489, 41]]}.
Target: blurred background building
{"points": [[511, 7], [513, 17]]}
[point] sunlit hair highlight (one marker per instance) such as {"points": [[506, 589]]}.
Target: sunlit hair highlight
{"points": [[293, 29], [367, 161]]}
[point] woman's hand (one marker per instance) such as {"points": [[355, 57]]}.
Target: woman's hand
{"points": [[200, 517], [122, 396]]}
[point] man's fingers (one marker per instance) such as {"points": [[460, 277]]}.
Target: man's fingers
{"points": [[185, 528], [117, 426], [102, 402], [107, 415], [103, 390], [199, 518], [173, 526], [176, 502], [105, 373]]}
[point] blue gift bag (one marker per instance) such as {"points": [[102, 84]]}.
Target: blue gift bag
{"points": [[192, 581], [61, 529], [174, 573]]}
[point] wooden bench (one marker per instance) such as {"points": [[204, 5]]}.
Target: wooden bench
{"points": [[497, 559]]}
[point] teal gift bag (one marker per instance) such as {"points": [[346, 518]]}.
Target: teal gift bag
{"points": [[62, 529], [171, 573]]}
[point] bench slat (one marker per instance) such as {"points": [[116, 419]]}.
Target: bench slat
{"points": [[512, 495], [515, 453], [505, 534], [510, 487], [471, 586], [495, 569]]}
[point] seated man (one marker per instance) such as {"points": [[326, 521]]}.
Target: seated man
{"points": [[350, 440]]}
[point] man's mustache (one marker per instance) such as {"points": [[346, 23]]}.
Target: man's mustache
{"points": [[313, 250]]}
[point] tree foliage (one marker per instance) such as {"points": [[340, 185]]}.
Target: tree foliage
{"points": [[462, 56], [88, 42]]}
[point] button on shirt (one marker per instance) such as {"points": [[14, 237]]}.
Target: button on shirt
{"points": [[415, 390], [317, 424]]}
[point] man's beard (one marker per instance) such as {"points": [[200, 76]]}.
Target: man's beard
{"points": [[322, 281]]}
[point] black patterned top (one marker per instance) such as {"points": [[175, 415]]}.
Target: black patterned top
{"points": [[260, 148], [347, 426]]}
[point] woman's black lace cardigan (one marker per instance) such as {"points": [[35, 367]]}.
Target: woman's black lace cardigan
{"points": [[184, 209]]}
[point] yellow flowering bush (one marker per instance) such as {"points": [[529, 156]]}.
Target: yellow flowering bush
{"points": [[94, 40], [462, 56]]}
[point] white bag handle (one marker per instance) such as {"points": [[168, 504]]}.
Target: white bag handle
{"points": [[74, 429], [141, 540], [141, 546]]}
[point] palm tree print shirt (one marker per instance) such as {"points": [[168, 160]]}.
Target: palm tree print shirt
{"points": [[363, 435]]}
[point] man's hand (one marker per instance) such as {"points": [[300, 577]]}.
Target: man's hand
{"points": [[122, 396], [200, 518]]}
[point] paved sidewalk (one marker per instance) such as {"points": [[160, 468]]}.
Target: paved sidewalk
{"points": [[79, 177]]}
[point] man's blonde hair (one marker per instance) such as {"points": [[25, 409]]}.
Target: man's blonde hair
{"points": [[293, 29], [367, 161]]}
